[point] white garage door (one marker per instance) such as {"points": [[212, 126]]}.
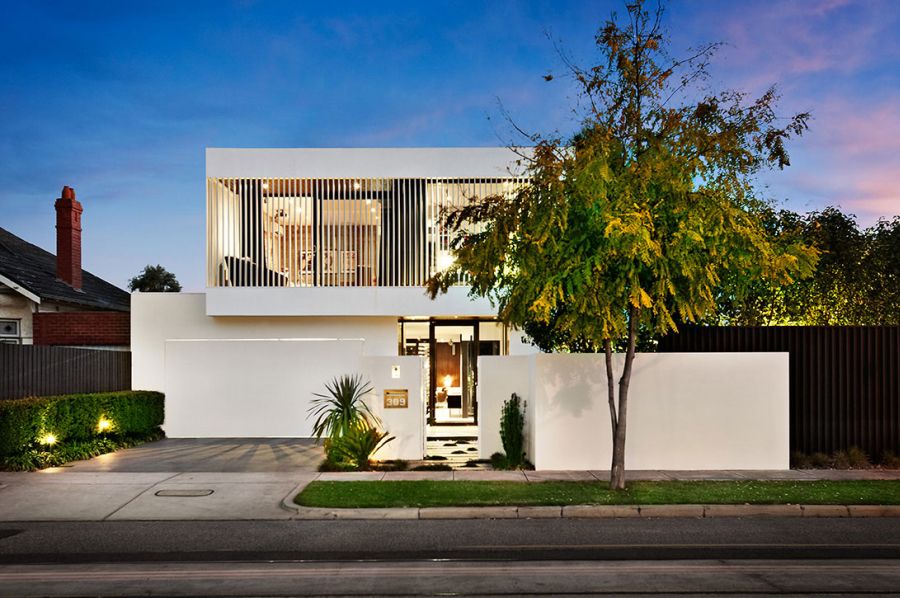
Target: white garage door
{"points": [[250, 388]]}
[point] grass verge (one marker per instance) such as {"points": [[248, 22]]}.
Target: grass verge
{"points": [[464, 493]]}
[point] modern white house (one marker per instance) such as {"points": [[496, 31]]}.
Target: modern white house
{"points": [[316, 261]]}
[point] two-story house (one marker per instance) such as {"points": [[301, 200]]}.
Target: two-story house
{"points": [[322, 245]]}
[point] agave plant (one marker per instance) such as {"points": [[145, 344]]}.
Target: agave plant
{"points": [[342, 408], [358, 444]]}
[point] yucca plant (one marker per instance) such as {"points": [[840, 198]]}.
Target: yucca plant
{"points": [[357, 445], [342, 408]]}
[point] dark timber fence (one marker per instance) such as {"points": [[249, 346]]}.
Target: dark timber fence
{"points": [[30, 370], [844, 380]]}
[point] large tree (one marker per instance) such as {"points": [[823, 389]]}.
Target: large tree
{"points": [[633, 223], [154, 279], [856, 281]]}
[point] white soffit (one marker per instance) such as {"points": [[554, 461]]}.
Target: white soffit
{"points": [[420, 162]]}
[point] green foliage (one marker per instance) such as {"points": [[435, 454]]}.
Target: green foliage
{"points": [[856, 281], [820, 460], [427, 493], [342, 408], [357, 445], [890, 460], [858, 458], [634, 224], [154, 279], [24, 422], [499, 461], [644, 213], [840, 460], [800, 460], [512, 431], [38, 458]]}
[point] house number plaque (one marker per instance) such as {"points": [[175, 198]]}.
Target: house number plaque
{"points": [[397, 398]]}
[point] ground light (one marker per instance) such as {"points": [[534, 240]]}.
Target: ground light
{"points": [[48, 439], [103, 425]]}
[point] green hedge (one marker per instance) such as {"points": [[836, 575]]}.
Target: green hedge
{"points": [[24, 422]]}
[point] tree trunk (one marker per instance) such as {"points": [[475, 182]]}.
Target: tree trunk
{"points": [[617, 472], [610, 386]]}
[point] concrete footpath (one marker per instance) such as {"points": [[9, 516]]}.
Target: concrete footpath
{"points": [[61, 494]]}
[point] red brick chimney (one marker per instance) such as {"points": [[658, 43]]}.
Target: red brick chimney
{"points": [[68, 238]]}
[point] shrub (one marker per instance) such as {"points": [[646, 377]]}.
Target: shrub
{"points": [[858, 458], [357, 445], [39, 458], [392, 465], [890, 460], [499, 461], [71, 418], [512, 432], [841, 460], [820, 460], [801, 460], [342, 408]]}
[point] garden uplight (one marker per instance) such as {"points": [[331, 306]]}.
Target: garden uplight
{"points": [[48, 439], [103, 425]]}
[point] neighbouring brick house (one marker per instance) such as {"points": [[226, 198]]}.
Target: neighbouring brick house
{"points": [[50, 300]]}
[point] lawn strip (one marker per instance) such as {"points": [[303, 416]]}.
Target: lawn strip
{"points": [[422, 493]]}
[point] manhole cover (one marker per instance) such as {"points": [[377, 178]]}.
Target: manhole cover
{"points": [[184, 492]]}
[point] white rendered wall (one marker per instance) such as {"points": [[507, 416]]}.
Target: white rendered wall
{"points": [[519, 345], [686, 410], [249, 388], [158, 317], [406, 425], [498, 378], [396, 302]]}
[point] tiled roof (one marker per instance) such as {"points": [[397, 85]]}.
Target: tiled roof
{"points": [[35, 269]]}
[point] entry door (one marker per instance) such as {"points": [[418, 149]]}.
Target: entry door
{"points": [[454, 376]]}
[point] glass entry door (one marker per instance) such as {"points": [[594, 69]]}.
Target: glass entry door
{"points": [[454, 376], [451, 349]]}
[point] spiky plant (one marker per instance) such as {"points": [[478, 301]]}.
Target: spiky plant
{"points": [[358, 444], [341, 408]]}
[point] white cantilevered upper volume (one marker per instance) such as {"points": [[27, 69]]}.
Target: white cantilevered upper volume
{"points": [[366, 163], [299, 219]]}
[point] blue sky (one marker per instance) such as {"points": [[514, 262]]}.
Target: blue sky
{"points": [[119, 99]]}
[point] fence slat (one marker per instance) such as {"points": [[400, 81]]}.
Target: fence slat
{"points": [[35, 370]]}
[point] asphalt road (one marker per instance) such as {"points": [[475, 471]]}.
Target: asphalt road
{"points": [[500, 557]]}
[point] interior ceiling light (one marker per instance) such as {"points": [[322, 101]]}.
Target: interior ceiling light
{"points": [[356, 186], [265, 186]]}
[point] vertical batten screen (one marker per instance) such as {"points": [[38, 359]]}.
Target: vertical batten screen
{"points": [[300, 232]]}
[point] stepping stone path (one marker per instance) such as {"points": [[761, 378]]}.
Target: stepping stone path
{"points": [[456, 451]]}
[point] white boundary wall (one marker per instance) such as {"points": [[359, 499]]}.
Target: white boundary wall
{"points": [[254, 376], [159, 317], [686, 410], [249, 388]]}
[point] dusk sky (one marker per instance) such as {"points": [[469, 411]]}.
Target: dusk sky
{"points": [[119, 99]]}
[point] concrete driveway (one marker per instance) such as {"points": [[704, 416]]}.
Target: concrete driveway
{"points": [[213, 479], [236, 455]]}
